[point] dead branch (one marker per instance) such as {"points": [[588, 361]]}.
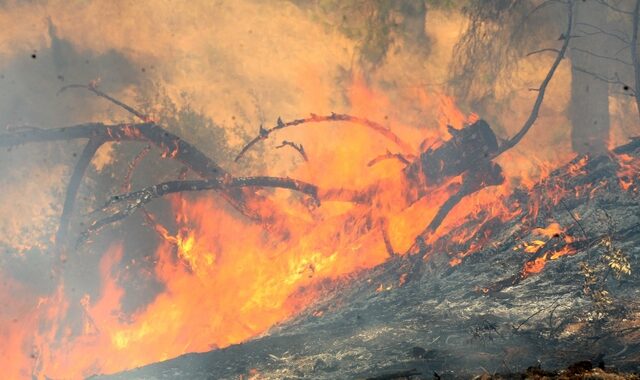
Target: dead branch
{"points": [[396, 375], [614, 8], [542, 51], [93, 88], [126, 185], [564, 205], [543, 87], [171, 145], [599, 30], [298, 147], [72, 190], [397, 156], [472, 181], [263, 133], [138, 199], [151, 192], [634, 51]]}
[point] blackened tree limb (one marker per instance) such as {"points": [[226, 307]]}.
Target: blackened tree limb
{"points": [[171, 145], [487, 174], [138, 199], [92, 87], [615, 80], [612, 59], [614, 8], [72, 189], [388, 156], [542, 51], [384, 131], [156, 191], [298, 147], [543, 87], [126, 185]]}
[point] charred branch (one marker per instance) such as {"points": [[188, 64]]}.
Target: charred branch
{"points": [[613, 59], [392, 156], [171, 145], [543, 51], [599, 30], [533, 116], [334, 117], [472, 181], [126, 186], [634, 51], [138, 199], [614, 8], [615, 80], [93, 88], [72, 190], [298, 147], [156, 191]]}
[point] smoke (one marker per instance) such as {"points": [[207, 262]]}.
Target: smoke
{"points": [[212, 72]]}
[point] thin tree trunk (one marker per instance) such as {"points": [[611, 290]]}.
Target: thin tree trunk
{"points": [[634, 53], [589, 110]]}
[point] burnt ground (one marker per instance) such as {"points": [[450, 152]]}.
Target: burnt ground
{"points": [[479, 317]]}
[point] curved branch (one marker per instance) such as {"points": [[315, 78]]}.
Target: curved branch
{"points": [[264, 133], [72, 190], [542, 51], [137, 199], [543, 87], [93, 88], [634, 51], [156, 191], [298, 147], [171, 145], [387, 156], [613, 59]]}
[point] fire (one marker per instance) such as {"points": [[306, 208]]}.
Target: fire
{"points": [[556, 237], [628, 169], [226, 280]]}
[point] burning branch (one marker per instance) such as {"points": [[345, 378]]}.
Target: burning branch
{"points": [[138, 199], [384, 131], [94, 88], [297, 147], [397, 156], [543, 87], [172, 146], [126, 186]]}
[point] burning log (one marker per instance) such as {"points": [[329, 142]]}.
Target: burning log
{"points": [[467, 150]]}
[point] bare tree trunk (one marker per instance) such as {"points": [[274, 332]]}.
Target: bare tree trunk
{"points": [[589, 110], [634, 53]]}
